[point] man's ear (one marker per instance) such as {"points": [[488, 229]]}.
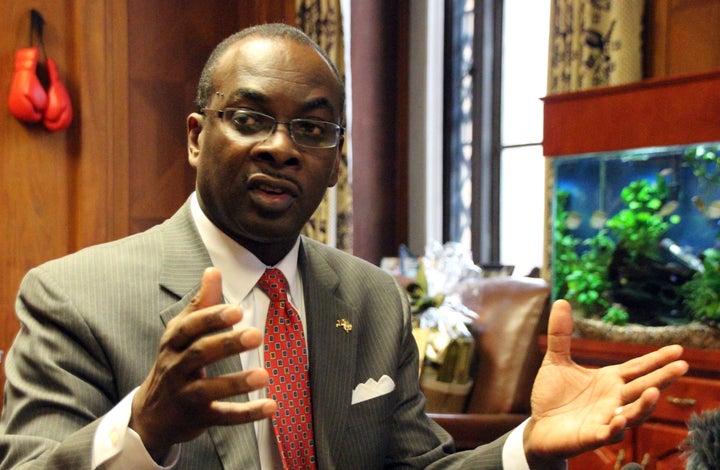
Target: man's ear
{"points": [[194, 129]]}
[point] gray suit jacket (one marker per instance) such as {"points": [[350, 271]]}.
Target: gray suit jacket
{"points": [[90, 329]]}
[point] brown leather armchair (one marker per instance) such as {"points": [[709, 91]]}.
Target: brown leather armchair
{"points": [[512, 314]]}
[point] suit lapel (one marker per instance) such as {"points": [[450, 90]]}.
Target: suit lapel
{"points": [[333, 352], [184, 260]]}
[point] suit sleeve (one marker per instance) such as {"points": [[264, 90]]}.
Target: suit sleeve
{"points": [[58, 383]]}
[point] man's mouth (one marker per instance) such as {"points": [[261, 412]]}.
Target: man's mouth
{"points": [[271, 193], [273, 184]]}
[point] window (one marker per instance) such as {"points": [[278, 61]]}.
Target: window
{"points": [[522, 165], [496, 67]]}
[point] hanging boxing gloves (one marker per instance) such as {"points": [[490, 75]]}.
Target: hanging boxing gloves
{"points": [[28, 99], [37, 93], [59, 113]]}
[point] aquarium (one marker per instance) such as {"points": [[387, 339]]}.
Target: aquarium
{"points": [[635, 234]]}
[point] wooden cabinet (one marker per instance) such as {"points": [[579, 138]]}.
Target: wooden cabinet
{"points": [[681, 37], [679, 105], [657, 443], [659, 446]]}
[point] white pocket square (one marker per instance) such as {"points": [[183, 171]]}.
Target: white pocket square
{"points": [[372, 389]]}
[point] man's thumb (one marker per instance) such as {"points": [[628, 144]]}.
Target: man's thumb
{"points": [[560, 328]]}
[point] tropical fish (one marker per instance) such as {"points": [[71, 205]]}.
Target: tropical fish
{"points": [[573, 220], [699, 203], [713, 210], [668, 208], [598, 219]]}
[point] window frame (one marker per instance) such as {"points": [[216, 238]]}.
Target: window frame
{"points": [[486, 71]]}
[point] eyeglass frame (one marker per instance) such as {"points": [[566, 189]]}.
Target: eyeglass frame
{"points": [[225, 114]]}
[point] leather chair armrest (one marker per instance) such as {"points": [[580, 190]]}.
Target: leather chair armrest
{"points": [[472, 429]]}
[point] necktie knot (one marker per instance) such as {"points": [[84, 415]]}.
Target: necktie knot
{"points": [[274, 284]]}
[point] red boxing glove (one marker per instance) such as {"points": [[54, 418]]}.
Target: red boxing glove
{"points": [[59, 112], [27, 100]]}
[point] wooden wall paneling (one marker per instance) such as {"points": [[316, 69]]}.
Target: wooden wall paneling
{"points": [[168, 47], [131, 71], [34, 170], [99, 84], [266, 11], [683, 37]]}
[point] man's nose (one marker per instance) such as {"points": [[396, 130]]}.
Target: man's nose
{"points": [[280, 144]]}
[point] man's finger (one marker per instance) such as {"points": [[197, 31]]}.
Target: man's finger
{"points": [[188, 325], [223, 413], [560, 328], [640, 366], [210, 290], [211, 348], [659, 369], [184, 330], [210, 389], [640, 409]]}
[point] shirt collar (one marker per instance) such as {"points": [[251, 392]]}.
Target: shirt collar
{"points": [[240, 268]]}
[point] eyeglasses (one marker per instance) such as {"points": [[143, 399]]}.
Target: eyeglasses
{"points": [[306, 132]]}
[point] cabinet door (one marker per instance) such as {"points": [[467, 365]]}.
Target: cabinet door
{"points": [[605, 458], [682, 37], [687, 396], [658, 446]]}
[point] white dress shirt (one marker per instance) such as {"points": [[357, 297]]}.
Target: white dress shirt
{"points": [[119, 447]]}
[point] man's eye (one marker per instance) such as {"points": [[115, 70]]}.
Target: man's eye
{"points": [[248, 123], [310, 128]]}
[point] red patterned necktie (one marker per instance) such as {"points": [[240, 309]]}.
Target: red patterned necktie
{"points": [[286, 361]]}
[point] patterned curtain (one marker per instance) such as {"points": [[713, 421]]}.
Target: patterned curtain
{"points": [[332, 222], [594, 43]]}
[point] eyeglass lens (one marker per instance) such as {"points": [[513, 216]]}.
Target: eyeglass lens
{"points": [[306, 132]]}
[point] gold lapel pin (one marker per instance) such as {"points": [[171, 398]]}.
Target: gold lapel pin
{"points": [[344, 324]]}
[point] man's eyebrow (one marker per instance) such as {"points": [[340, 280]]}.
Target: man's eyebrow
{"points": [[250, 94], [319, 103], [261, 98]]}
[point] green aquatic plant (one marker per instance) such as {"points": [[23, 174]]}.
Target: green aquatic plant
{"points": [[616, 315], [640, 227], [704, 160], [588, 284], [582, 267], [701, 294], [565, 257]]}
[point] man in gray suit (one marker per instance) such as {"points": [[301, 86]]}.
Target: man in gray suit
{"points": [[89, 387]]}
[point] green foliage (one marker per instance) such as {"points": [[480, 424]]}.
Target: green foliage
{"points": [[701, 294], [640, 227], [581, 279], [565, 256], [588, 283], [616, 316], [581, 266], [704, 162]]}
